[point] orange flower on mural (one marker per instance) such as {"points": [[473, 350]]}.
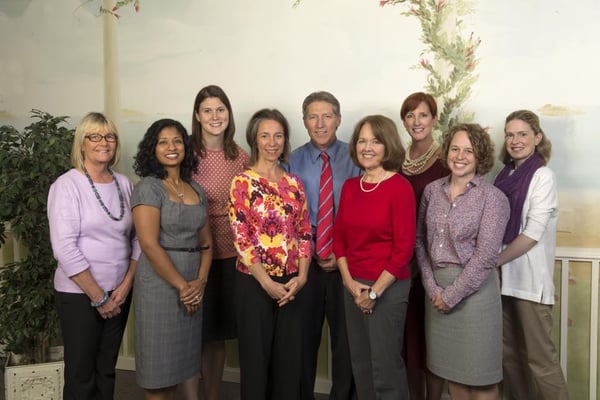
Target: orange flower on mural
{"points": [[121, 4]]}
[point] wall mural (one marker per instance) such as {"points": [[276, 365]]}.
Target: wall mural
{"points": [[514, 66], [449, 56], [371, 55], [54, 53], [450, 60], [120, 4]]}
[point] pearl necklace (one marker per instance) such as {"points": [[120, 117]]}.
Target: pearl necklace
{"points": [[413, 167], [121, 201], [373, 188]]}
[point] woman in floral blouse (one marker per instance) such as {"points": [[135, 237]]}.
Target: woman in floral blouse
{"points": [[272, 233]]}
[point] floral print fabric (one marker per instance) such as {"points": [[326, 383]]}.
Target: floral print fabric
{"points": [[270, 223]]}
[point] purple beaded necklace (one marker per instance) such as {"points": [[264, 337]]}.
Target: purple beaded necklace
{"points": [[121, 201]]}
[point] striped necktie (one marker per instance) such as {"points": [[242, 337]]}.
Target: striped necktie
{"points": [[325, 214]]}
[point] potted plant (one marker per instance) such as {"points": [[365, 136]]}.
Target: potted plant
{"points": [[30, 160]]}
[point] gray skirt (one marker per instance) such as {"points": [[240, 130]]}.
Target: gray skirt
{"points": [[167, 339], [465, 345]]}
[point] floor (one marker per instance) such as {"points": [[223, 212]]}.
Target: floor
{"points": [[127, 389]]}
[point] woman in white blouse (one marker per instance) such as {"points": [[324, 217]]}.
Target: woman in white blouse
{"points": [[527, 261]]}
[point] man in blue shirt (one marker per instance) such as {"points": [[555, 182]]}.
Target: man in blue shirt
{"points": [[324, 288]]}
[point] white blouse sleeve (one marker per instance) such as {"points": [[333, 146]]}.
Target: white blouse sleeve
{"points": [[541, 203]]}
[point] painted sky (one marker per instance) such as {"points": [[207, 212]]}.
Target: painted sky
{"points": [[532, 52], [267, 53]]}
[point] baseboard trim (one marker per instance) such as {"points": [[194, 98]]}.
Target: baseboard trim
{"points": [[126, 363]]}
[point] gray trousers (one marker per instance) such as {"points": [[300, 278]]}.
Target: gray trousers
{"points": [[376, 344]]}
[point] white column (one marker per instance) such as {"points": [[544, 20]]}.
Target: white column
{"points": [[112, 82]]}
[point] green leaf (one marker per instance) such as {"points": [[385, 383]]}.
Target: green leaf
{"points": [[30, 160]]}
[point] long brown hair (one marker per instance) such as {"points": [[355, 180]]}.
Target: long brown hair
{"points": [[229, 146]]}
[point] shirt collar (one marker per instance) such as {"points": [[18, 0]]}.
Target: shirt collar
{"points": [[315, 152], [476, 181]]}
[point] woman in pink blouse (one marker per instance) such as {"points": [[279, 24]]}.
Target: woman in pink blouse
{"points": [[272, 234], [460, 227], [219, 160]]}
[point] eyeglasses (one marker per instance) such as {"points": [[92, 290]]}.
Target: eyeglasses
{"points": [[96, 137]]}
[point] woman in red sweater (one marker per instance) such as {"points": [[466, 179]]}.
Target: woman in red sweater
{"points": [[373, 243]]}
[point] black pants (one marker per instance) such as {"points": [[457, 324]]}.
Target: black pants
{"points": [[269, 341], [325, 297], [91, 346]]}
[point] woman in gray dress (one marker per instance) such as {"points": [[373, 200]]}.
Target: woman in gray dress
{"points": [[169, 212]]}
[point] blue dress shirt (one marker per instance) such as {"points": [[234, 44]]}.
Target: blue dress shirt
{"points": [[306, 163]]}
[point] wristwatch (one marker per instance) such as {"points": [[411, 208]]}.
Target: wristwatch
{"points": [[372, 294]]}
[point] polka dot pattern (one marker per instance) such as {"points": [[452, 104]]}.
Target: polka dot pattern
{"points": [[215, 174]]}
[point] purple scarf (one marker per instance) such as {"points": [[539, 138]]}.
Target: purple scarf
{"points": [[515, 187]]}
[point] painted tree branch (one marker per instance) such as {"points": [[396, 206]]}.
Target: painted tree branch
{"points": [[120, 4], [449, 56]]}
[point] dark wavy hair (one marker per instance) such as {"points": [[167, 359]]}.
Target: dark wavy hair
{"points": [[146, 163], [229, 146], [483, 147]]}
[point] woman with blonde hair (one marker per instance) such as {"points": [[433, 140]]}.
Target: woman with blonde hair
{"points": [[527, 261], [94, 243]]}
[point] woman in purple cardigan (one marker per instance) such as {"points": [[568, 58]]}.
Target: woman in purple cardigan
{"points": [[92, 235]]}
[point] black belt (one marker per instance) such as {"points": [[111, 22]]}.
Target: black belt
{"points": [[187, 249]]}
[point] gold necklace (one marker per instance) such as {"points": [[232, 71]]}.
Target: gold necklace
{"points": [[179, 194], [413, 167]]}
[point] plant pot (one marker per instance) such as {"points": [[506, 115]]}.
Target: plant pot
{"points": [[56, 353], [34, 381]]}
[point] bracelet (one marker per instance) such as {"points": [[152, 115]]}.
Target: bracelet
{"points": [[101, 302]]}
